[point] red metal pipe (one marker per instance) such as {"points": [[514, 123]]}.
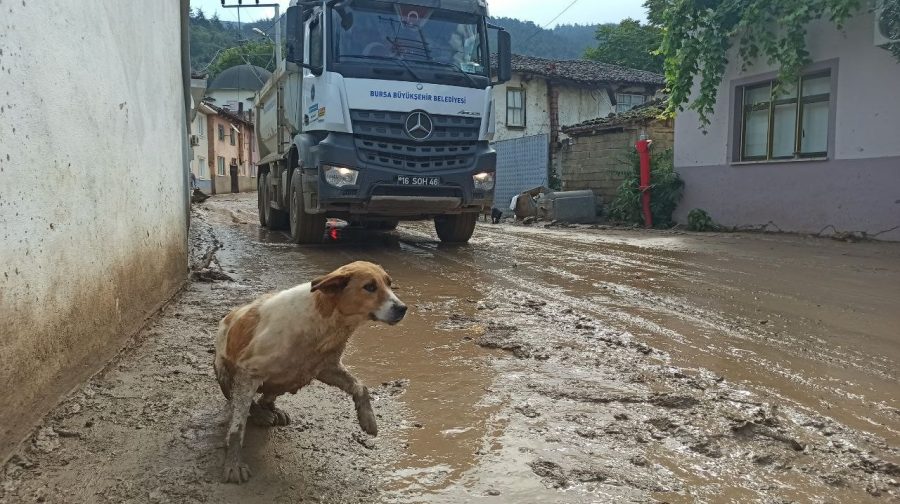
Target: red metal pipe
{"points": [[643, 148]]}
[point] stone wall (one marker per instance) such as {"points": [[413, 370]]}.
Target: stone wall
{"points": [[593, 161]]}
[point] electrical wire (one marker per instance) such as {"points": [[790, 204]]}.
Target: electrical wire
{"points": [[542, 28]]}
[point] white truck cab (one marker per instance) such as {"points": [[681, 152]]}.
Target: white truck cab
{"points": [[380, 111]]}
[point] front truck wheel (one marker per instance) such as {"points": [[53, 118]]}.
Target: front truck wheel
{"points": [[306, 228], [455, 228]]}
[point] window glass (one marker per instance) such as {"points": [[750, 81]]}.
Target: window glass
{"points": [[814, 137], [817, 85], [784, 127]]}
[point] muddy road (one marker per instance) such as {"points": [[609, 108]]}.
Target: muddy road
{"points": [[536, 365]]}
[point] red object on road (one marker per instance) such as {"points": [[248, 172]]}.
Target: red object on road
{"points": [[643, 148]]}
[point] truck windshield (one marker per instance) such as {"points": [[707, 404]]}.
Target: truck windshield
{"points": [[412, 34]]}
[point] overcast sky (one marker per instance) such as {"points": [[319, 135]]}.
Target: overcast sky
{"points": [[538, 11]]}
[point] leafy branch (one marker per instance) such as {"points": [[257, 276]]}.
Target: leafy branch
{"points": [[699, 36]]}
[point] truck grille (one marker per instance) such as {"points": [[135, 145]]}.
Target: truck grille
{"points": [[381, 140]]}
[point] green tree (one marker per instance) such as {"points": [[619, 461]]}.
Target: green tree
{"points": [[259, 53], [629, 44], [699, 35]]}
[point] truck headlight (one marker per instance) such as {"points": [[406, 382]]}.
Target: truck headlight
{"points": [[484, 181], [339, 176]]}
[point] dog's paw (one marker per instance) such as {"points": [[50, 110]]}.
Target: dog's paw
{"points": [[281, 418], [236, 473], [269, 417], [367, 421]]}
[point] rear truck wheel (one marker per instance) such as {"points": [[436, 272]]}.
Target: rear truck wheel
{"points": [[455, 228], [275, 219], [382, 225], [261, 200], [306, 228]]}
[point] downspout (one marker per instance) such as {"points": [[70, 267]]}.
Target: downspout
{"points": [[185, 16]]}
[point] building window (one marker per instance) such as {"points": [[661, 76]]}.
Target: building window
{"points": [[253, 171], [221, 133], [787, 121], [201, 167], [626, 101], [515, 108], [220, 166], [231, 131], [201, 126]]}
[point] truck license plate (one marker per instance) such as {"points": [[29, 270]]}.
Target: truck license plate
{"points": [[418, 181]]}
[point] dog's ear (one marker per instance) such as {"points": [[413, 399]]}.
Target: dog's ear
{"points": [[331, 283]]}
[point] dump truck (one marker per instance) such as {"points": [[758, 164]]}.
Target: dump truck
{"points": [[380, 111]]}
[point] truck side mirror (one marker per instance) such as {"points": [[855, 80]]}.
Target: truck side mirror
{"points": [[504, 56], [294, 36]]}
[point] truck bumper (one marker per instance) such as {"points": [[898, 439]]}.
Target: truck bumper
{"points": [[377, 192]]}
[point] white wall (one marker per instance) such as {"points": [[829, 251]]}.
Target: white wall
{"points": [[537, 106], [92, 189], [224, 97], [200, 161], [856, 189]]}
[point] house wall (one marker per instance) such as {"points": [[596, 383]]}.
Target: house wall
{"points": [[223, 148], [856, 189], [228, 98], [576, 104], [537, 108], [199, 160], [596, 161], [93, 190]]}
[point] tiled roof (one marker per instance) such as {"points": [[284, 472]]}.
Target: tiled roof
{"points": [[583, 71], [234, 116], [640, 115]]}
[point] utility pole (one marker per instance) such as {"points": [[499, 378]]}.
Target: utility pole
{"points": [[277, 23]]}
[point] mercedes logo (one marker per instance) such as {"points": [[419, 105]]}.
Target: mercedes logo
{"points": [[419, 125]]}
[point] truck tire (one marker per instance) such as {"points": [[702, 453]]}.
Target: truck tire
{"points": [[306, 228], [455, 228], [262, 201]]}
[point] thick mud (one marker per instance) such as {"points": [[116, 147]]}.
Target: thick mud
{"points": [[536, 365]]}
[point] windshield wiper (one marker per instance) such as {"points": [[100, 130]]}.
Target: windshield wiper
{"points": [[398, 60], [453, 66]]}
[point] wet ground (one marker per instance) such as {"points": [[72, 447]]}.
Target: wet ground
{"points": [[537, 365]]}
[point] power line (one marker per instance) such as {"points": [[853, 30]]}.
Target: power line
{"points": [[551, 21]]}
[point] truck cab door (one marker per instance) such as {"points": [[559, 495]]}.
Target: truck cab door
{"points": [[313, 109]]}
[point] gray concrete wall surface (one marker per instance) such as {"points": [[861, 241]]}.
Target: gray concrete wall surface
{"points": [[93, 231]]}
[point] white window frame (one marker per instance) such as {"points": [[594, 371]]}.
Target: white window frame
{"points": [[220, 166], [201, 167], [510, 91]]}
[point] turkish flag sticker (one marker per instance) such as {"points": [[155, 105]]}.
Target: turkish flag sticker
{"points": [[413, 15]]}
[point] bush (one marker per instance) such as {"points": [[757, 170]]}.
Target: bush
{"points": [[666, 189], [699, 220]]}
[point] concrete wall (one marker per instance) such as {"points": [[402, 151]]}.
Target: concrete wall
{"points": [[240, 151], [596, 161], [856, 189], [93, 188]]}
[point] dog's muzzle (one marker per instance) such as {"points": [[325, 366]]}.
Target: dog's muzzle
{"points": [[396, 313]]}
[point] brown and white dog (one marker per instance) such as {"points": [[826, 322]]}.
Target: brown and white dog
{"points": [[281, 342]]}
